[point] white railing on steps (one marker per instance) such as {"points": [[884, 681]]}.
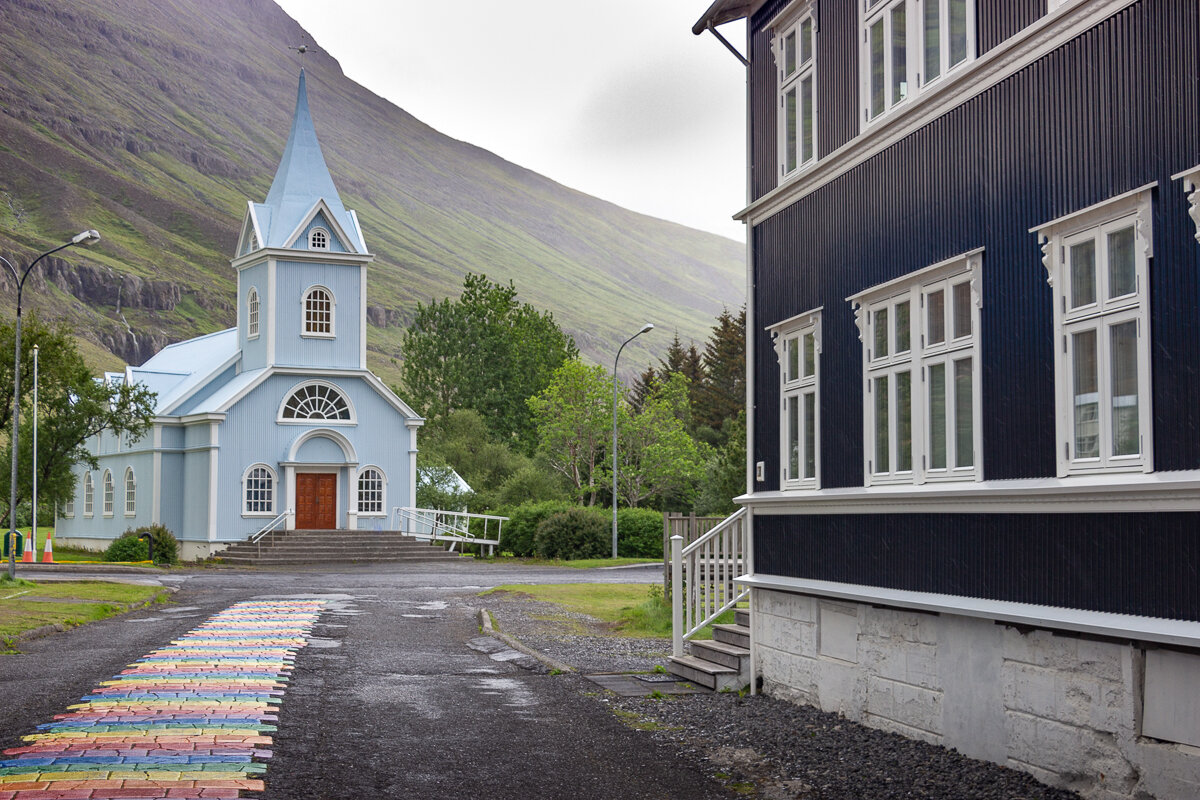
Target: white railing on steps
{"points": [[256, 539], [702, 577], [448, 526]]}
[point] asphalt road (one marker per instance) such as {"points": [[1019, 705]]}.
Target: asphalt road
{"points": [[388, 700]]}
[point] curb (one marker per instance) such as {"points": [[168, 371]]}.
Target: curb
{"points": [[98, 567], [58, 627], [485, 622]]}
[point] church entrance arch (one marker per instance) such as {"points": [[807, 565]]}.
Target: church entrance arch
{"points": [[316, 500]]}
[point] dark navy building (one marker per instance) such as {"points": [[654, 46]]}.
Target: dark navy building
{"points": [[974, 375]]}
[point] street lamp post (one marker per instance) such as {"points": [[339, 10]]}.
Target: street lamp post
{"points": [[33, 505], [86, 237], [647, 327]]}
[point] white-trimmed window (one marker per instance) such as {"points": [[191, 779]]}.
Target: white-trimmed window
{"points": [[252, 313], [258, 491], [921, 373], [316, 400], [130, 493], [318, 239], [89, 495], [68, 509], [908, 45], [109, 491], [318, 312], [371, 486], [798, 346], [794, 45], [1098, 262]]}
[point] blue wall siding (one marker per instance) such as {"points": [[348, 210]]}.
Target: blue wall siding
{"points": [[250, 435], [207, 391], [99, 525], [292, 280], [320, 221], [254, 351], [1081, 125], [1142, 564]]}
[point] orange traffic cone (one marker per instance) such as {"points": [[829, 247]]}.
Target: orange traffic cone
{"points": [[48, 555], [27, 556]]}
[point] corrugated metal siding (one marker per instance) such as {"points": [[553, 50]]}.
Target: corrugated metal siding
{"points": [[765, 173], [996, 20], [1115, 109], [1123, 563]]}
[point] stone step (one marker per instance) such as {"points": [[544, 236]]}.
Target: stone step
{"points": [[267, 560], [333, 547], [742, 617], [727, 655], [704, 673], [738, 635]]}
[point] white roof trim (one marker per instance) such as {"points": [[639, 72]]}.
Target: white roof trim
{"points": [[331, 218], [226, 364], [367, 376]]}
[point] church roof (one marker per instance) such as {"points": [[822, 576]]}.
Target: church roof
{"points": [[178, 370], [300, 182]]}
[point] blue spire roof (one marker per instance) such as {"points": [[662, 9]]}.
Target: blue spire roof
{"points": [[301, 180]]}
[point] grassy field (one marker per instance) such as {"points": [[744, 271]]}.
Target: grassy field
{"points": [[634, 610], [589, 563], [25, 605]]}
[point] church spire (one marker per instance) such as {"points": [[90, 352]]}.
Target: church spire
{"points": [[301, 180]]}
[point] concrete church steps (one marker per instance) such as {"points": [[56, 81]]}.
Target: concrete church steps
{"points": [[318, 547], [722, 664]]}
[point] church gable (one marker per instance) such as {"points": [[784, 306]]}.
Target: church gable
{"points": [[250, 238], [320, 235]]}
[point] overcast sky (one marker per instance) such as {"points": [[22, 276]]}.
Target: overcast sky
{"points": [[617, 99]]}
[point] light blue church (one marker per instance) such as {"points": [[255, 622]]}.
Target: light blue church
{"points": [[278, 416]]}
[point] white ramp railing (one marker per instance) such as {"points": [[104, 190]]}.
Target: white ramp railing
{"points": [[702, 577], [449, 526]]}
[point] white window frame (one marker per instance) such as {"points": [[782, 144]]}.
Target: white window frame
{"points": [[68, 509], [252, 313], [130, 493], [795, 339], [872, 12], [322, 243], [305, 321], [960, 273], [89, 495], [272, 503], [791, 24], [108, 491], [323, 421], [1132, 209], [358, 491]]}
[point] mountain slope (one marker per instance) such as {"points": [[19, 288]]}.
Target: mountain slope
{"points": [[155, 121]]}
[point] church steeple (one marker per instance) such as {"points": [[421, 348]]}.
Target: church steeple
{"points": [[301, 181]]}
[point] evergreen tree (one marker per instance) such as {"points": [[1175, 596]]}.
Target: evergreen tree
{"points": [[642, 386], [721, 393]]}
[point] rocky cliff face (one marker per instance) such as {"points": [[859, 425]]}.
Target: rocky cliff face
{"points": [[104, 286]]}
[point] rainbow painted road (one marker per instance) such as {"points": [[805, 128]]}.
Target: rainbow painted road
{"points": [[190, 720]]}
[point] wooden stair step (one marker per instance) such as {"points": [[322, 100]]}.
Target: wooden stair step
{"points": [[704, 673]]}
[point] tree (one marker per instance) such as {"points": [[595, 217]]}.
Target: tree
{"points": [[725, 472], [640, 390], [722, 392], [572, 416], [685, 361], [72, 407], [486, 352], [657, 457]]}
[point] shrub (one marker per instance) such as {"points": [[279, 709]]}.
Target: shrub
{"points": [[574, 533], [127, 548], [639, 533], [166, 546], [523, 523]]}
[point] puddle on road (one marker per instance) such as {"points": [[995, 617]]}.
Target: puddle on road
{"points": [[181, 610], [318, 642], [515, 692]]}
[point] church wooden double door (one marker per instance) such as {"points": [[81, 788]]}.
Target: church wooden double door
{"points": [[316, 500]]}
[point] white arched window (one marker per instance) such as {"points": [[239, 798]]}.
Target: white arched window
{"points": [[252, 314], [130, 493], [89, 495], [108, 493], [258, 490], [370, 491], [318, 312], [318, 239], [318, 401]]}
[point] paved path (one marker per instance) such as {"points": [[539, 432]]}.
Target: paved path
{"points": [[386, 700]]}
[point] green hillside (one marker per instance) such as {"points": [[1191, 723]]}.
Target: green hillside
{"points": [[155, 121]]}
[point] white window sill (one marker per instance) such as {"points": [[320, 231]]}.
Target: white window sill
{"points": [[129, 515], [372, 514], [318, 336], [1123, 626], [260, 514], [108, 515], [1076, 494], [317, 422]]}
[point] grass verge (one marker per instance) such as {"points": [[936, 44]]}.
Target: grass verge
{"points": [[589, 563], [26, 605], [634, 610]]}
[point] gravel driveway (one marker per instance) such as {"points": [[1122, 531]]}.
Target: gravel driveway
{"points": [[760, 746]]}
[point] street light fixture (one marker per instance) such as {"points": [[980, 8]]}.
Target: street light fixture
{"points": [[88, 237], [647, 327]]}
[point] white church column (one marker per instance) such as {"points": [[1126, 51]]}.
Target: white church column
{"points": [[289, 483]]}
